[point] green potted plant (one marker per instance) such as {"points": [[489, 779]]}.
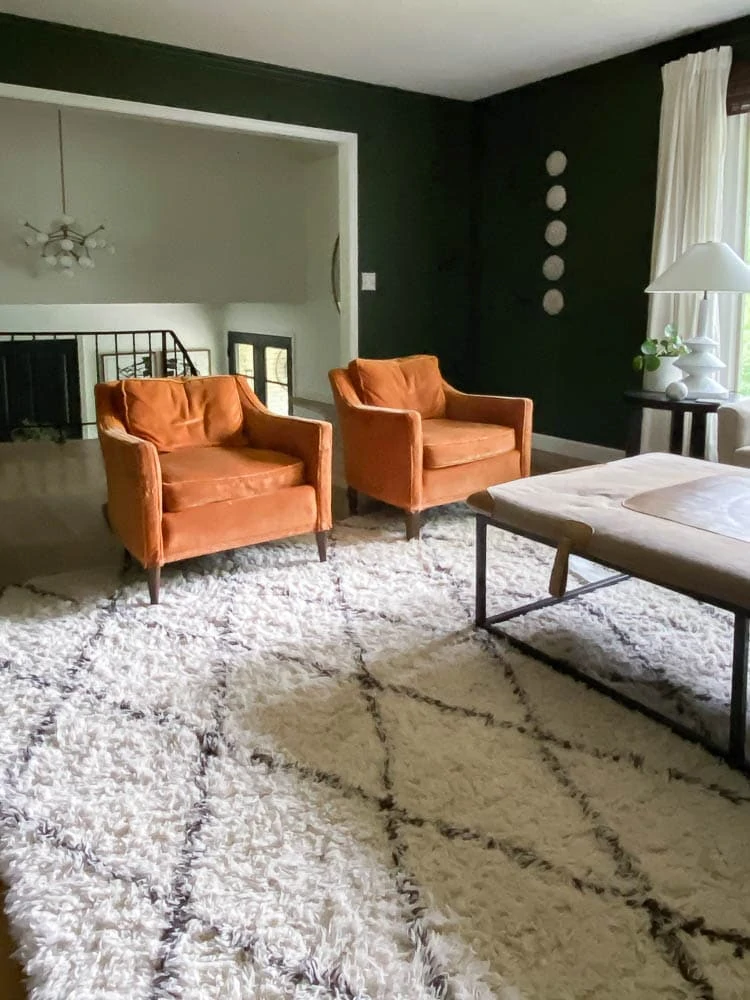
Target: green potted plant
{"points": [[657, 359]]}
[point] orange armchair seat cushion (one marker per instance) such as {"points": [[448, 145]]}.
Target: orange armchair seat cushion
{"points": [[175, 413], [195, 476], [458, 442], [411, 383]]}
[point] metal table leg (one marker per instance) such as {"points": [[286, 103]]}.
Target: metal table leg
{"points": [[480, 590], [738, 707]]}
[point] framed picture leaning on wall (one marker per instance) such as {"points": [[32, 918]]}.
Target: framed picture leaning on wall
{"points": [[152, 364]]}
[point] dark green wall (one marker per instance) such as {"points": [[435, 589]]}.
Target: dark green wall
{"points": [[415, 162], [451, 202], [606, 119]]}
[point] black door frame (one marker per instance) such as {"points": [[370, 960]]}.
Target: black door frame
{"points": [[258, 341]]}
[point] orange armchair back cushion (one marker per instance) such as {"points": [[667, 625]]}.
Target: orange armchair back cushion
{"points": [[413, 383], [173, 414]]}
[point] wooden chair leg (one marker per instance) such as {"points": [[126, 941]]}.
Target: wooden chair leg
{"points": [[154, 578], [353, 499], [413, 525], [321, 537]]}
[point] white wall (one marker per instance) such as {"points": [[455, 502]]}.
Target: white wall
{"points": [[197, 215], [319, 350], [214, 231], [314, 324]]}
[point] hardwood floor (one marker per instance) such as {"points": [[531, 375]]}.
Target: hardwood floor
{"points": [[12, 980]]}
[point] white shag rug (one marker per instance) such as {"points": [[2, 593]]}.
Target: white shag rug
{"points": [[319, 781]]}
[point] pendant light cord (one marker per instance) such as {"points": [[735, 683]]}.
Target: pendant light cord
{"points": [[62, 163]]}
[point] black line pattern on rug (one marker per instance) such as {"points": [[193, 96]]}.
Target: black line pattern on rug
{"points": [[518, 853], [631, 758], [47, 724], [210, 743], [12, 817], [434, 976], [308, 971], [662, 919], [665, 923], [163, 983]]}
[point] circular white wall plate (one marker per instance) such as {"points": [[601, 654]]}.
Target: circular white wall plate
{"points": [[553, 268], [557, 161], [556, 233], [556, 197], [553, 302]]}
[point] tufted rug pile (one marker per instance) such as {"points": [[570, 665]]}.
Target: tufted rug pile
{"points": [[318, 781]]}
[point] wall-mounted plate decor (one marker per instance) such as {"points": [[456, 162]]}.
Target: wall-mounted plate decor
{"points": [[556, 233], [556, 197], [556, 163], [553, 302], [553, 268]]}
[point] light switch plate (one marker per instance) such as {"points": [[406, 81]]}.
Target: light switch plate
{"points": [[368, 281]]}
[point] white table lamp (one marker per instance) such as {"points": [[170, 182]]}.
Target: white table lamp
{"points": [[704, 267]]}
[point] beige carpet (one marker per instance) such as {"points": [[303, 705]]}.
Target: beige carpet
{"points": [[303, 780]]}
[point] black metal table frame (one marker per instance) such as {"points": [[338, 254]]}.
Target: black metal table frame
{"points": [[735, 754]]}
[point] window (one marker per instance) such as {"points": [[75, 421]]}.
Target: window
{"points": [[266, 362]]}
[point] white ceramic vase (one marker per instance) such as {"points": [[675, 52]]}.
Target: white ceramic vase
{"points": [[657, 381]]}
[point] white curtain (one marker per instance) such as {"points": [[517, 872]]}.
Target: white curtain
{"points": [[689, 187], [736, 193]]}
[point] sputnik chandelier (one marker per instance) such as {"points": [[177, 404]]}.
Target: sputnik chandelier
{"points": [[62, 244]]}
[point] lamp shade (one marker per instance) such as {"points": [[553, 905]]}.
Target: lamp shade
{"points": [[705, 267]]}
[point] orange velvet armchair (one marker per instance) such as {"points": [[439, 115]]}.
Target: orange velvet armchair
{"points": [[412, 440], [199, 465]]}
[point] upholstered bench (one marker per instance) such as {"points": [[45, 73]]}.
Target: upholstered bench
{"points": [[681, 523]]}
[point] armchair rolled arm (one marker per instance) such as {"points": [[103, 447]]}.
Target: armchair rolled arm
{"points": [[509, 411], [733, 429], [383, 453], [310, 440], [134, 492]]}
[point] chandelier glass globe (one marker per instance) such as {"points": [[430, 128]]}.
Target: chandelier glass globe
{"points": [[65, 242]]}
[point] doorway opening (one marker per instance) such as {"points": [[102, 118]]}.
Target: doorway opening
{"points": [[40, 394], [266, 287]]}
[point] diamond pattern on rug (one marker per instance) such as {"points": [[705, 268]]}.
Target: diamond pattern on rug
{"points": [[543, 931], [294, 779], [94, 781]]}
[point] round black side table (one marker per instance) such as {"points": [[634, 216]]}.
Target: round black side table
{"points": [[640, 400]]}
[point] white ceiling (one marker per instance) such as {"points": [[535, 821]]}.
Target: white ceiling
{"points": [[455, 48]]}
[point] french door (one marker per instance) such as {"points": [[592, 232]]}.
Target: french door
{"points": [[266, 362]]}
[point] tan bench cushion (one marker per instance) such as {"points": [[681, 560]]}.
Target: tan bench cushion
{"points": [[665, 552]]}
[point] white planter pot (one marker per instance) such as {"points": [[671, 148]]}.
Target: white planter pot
{"points": [[657, 381]]}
